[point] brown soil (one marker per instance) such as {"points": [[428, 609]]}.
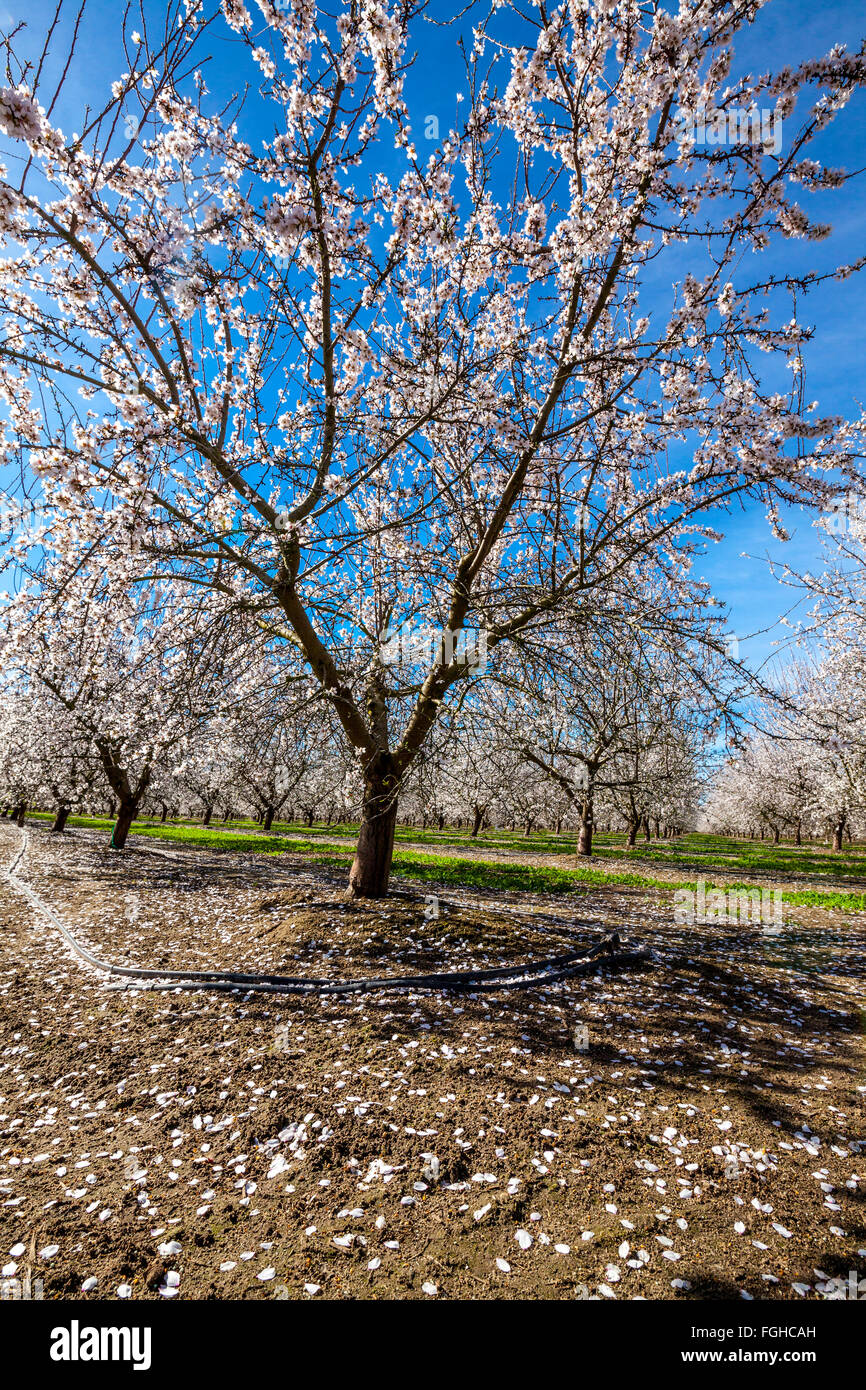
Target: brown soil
{"points": [[722, 1087]]}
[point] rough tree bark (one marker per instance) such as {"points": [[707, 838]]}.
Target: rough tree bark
{"points": [[129, 798], [125, 816], [371, 867], [584, 835]]}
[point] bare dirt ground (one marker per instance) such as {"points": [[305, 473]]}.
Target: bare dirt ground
{"points": [[709, 1144]]}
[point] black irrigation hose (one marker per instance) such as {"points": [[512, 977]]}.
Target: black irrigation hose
{"points": [[477, 981]]}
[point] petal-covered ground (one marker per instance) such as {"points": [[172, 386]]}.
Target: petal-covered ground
{"points": [[702, 1139]]}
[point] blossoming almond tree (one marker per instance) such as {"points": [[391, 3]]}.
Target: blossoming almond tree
{"points": [[828, 696], [278, 749], [767, 784], [617, 706], [353, 385], [206, 773], [656, 779], [61, 762], [805, 764], [137, 669], [19, 769]]}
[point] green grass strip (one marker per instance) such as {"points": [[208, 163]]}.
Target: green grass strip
{"points": [[437, 868]]}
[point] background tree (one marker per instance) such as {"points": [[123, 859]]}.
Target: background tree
{"points": [[136, 667]]}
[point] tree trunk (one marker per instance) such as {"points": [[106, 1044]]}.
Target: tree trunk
{"points": [[646, 829], [61, 818], [208, 812], [632, 834], [775, 835], [269, 818], [371, 867], [838, 831], [163, 815], [584, 837], [125, 817], [20, 813]]}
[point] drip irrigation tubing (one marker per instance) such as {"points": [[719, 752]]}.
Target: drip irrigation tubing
{"points": [[527, 976]]}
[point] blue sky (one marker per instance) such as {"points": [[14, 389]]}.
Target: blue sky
{"points": [[786, 32]]}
